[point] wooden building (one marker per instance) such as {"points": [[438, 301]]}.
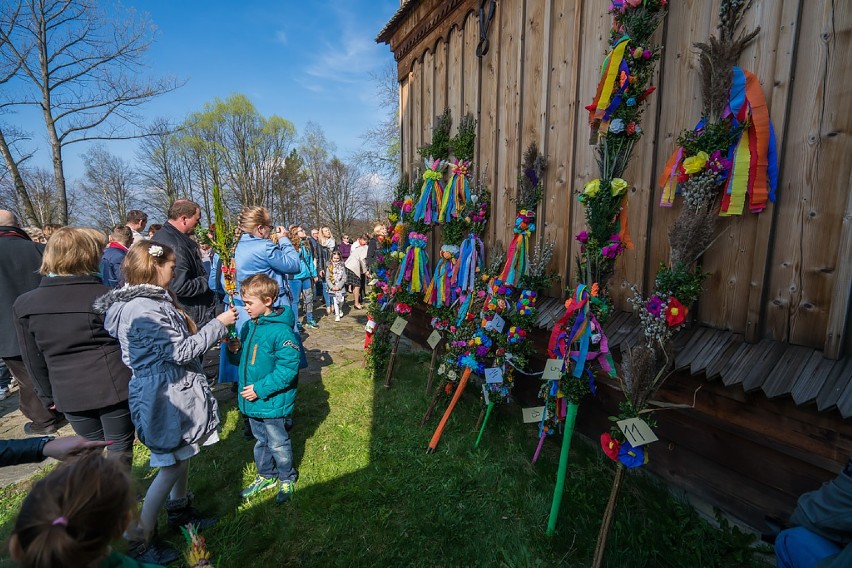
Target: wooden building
{"points": [[770, 347]]}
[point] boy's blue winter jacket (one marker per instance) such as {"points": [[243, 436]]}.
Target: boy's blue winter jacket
{"points": [[269, 360]]}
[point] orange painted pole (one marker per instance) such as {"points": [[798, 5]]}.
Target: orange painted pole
{"points": [[433, 443]]}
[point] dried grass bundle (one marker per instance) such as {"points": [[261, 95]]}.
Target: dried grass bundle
{"points": [[690, 234]]}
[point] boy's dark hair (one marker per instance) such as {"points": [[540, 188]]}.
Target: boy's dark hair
{"points": [[121, 234], [136, 216], [259, 286]]}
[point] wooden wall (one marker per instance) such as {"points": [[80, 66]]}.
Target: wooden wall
{"points": [[784, 274]]}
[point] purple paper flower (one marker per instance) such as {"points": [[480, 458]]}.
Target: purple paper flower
{"points": [[481, 351], [654, 306], [583, 237]]}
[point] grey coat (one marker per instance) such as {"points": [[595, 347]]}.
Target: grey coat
{"points": [[170, 402]]}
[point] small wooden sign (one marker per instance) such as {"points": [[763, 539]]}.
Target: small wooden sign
{"points": [[399, 325], [434, 339], [494, 375], [496, 324], [534, 414], [485, 395], [637, 432], [552, 370]]}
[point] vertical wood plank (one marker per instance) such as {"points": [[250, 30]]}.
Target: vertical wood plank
{"points": [[416, 87], [440, 86], [471, 76], [814, 179], [781, 36], [405, 125], [592, 48], [510, 146], [455, 68], [489, 115], [838, 320], [561, 118]]}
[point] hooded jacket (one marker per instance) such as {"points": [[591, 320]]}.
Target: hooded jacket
{"points": [[269, 360], [170, 402]]}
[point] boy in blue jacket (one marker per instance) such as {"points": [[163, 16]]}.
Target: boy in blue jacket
{"points": [[268, 355]]}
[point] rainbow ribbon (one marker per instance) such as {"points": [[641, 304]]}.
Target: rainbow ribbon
{"points": [[414, 269], [611, 87], [457, 191], [471, 257], [441, 292], [431, 194]]}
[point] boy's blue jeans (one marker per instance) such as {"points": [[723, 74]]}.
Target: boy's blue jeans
{"points": [[273, 452], [800, 548]]}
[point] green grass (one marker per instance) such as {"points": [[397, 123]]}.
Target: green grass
{"points": [[368, 493]]}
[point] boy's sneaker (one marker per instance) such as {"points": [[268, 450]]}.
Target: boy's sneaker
{"points": [[259, 485], [300, 327], [152, 553], [336, 318], [285, 492], [312, 325]]}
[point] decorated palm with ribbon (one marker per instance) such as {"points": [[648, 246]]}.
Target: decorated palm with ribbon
{"points": [[614, 117], [579, 345], [428, 206], [527, 196]]}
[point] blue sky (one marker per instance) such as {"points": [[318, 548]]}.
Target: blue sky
{"points": [[305, 61]]}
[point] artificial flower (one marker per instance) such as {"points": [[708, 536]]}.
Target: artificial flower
{"points": [[592, 188], [654, 306], [694, 164], [632, 457], [617, 186], [631, 102], [610, 446], [616, 126], [675, 312], [583, 237]]}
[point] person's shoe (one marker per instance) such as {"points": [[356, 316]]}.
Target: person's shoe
{"points": [[257, 487], [300, 327], [285, 492], [336, 318], [180, 513], [5, 393], [312, 325], [31, 430], [154, 552], [327, 311]]}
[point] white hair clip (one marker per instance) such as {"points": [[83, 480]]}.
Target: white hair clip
{"points": [[155, 250]]}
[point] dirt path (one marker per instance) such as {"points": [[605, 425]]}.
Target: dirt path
{"points": [[333, 342]]}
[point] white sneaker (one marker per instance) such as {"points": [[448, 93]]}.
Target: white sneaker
{"points": [[336, 318]]}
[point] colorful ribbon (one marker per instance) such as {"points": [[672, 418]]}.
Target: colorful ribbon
{"points": [[414, 269], [457, 192], [431, 194]]}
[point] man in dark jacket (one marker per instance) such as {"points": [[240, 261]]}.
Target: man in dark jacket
{"points": [[20, 259], [379, 233], [190, 282]]}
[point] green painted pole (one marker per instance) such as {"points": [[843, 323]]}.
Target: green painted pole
{"points": [[484, 422], [570, 420]]}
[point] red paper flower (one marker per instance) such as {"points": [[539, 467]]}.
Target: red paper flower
{"points": [[675, 312], [610, 446]]}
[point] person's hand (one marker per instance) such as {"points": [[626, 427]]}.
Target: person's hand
{"points": [[322, 274], [229, 316], [234, 345], [62, 448], [281, 231], [248, 393]]}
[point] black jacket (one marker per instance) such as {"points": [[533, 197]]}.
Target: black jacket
{"points": [[20, 259], [372, 253], [71, 358], [190, 283], [28, 450]]}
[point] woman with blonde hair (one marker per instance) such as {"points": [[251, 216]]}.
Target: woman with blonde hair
{"points": [[75, 363]]}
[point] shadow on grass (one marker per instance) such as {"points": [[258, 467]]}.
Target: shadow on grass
{"points": [[369, 495]]}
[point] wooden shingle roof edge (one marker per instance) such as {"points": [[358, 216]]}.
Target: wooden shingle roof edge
{"points": [[390, 27], [776, 368]]}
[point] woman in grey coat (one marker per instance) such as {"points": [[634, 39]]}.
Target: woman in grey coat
{"points": [[170, 402]]}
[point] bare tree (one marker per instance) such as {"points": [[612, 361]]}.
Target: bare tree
{"points": [[287, 188], [380, 153], [314, 148], [159, 160], [346, 196], [107, 187], [83, 70], [43, 205]]}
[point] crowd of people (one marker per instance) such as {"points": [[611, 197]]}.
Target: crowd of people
{"points": [[107, 333]]}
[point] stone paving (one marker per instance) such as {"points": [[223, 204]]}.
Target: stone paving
{"points": [[332, 342]]}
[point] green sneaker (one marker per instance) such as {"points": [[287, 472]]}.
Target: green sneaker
{"points": [[285, 492], [259, 485]]}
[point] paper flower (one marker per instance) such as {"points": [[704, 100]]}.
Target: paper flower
{"points": [[675, 312], [654, 306], [610, 446], [617, 186], [616, 126], [592, 188], [583, 237], [631, 457], [696, 163]]}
